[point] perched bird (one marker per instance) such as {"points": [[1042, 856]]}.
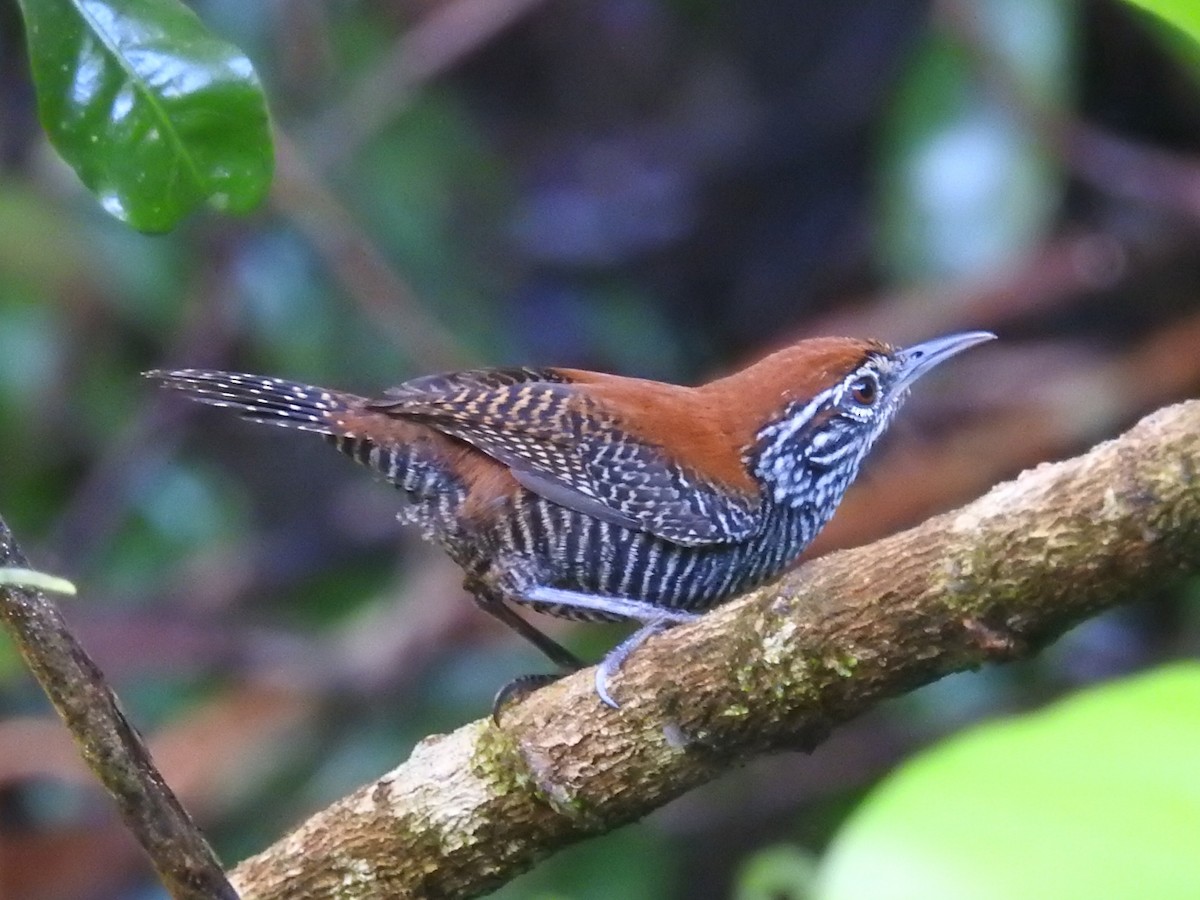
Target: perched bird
{"points": [[594, 496]]}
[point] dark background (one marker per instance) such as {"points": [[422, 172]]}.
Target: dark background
{"points": [[663, 189]]}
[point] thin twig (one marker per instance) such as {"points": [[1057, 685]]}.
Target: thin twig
{"points": [[108, 743], [446, 36], [1112, 164], [374, 284], [101, 500]]}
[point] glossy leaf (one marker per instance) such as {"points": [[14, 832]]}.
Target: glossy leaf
{"points": [[154, 113], [1097, 796]]}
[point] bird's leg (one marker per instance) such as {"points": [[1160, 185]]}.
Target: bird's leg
{"points": [[558, 654], [613, 659], [653, 618], [493, 602], [613, 607], [520, 687]]}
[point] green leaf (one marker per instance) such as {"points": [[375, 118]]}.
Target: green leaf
{"points": [[154, 113], [781, 872], [1176, 25], [1183, 14], [1097, 796]]}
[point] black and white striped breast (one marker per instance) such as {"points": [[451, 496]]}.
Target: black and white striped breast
{"points": [[541, 542], [573, 551]]}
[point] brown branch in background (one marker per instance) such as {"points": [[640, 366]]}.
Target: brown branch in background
{"points": [[372, 282], [108, 743], [203, 754], [444, 38], [774, 670], [1054, 275], [1129, 169], [1111, 164], [447, 35], [100, 503]]}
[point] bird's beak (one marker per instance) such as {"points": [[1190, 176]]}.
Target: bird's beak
{"points": [[918, 359]]}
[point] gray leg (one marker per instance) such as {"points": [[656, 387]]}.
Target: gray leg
{"points": [[617, 607], [653, 618], [557, 653], [613, 659]]}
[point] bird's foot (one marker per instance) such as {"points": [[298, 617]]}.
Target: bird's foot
{"points": [[617, 655], [520, 688], [654, 618]]}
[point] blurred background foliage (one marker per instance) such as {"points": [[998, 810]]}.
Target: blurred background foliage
{"points": [[664, 188]]}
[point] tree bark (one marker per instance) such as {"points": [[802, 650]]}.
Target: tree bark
{"points": [[776, 669]]}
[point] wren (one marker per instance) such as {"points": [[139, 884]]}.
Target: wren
{"points": [[601, 497]]}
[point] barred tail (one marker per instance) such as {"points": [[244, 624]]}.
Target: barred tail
{"points": [[273, 401]]}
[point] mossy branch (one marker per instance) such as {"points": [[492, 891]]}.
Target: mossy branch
{"points": [[775, 669]]}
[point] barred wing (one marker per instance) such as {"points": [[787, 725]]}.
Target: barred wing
{"points": [[565, 446]]}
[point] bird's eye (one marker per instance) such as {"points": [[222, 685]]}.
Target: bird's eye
{"points": [[864, 390]]}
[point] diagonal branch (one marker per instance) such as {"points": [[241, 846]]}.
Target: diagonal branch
{"points": [[109, 744], [776, 669]]}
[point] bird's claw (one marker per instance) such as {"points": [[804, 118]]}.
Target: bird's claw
{"points": [[519, 688]]}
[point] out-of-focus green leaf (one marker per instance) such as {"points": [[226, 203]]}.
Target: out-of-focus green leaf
{"points": [[412, 184], [1183, 14], [38, 241], [153, 112], [179, 507], [965, 185], [1098, 796], [30, 349], [777, 873], [1177, 27]]}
